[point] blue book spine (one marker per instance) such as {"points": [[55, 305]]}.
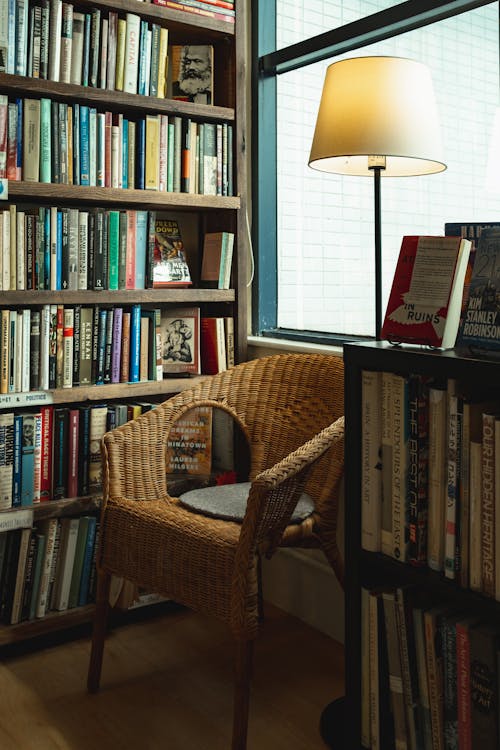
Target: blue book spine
{"points": [[125, 153], [11, 36], [76, 144], [19, 154], [59, 250], [141, 240], [101, 346], [135, 343], [84, 146], [17, 473], [83, 591], [86, 50], [46, 247], [141, 153], [141, 87]]}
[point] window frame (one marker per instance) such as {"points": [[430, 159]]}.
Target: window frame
{"points": [[268, 64]]}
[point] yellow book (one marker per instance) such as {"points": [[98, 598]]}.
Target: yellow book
{"points": [[120, 54], [162, 63], [4, 352], [152, 152]]}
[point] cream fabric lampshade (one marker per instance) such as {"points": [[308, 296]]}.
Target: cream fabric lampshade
{"points": [[377, 106]]}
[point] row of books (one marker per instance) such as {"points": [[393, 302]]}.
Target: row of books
{"points": [[222, 10], [52, 453], [430, 673], [50, 566], [42, 140], [58, 346], [430, 482]]}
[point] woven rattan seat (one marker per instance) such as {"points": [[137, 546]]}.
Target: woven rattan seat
{"points": [[290, 409]]}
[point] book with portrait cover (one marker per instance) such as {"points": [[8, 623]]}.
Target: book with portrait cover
{"points": [[189, 443], [426, 296], [168, 262], [191, 73], [180, 339], [480, 328]]}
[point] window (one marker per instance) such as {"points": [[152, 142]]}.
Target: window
{"points": [[315, 231]]}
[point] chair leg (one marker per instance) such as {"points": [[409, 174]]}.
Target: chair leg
{"points": [[243, 669], [99, 631]]}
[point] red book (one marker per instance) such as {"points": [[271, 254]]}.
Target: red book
{"points": [[46, 467], [463, 683], [73, 432], [426, 296], [212, 346], [108, 122], [12, 141], [197, 11]]}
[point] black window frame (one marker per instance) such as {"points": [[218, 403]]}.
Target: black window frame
{"points": [[268, 64]]}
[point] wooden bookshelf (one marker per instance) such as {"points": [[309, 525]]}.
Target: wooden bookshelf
{"points": [[209, 213]]}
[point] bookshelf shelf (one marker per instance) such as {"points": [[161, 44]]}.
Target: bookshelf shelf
{"points": [[41, 192], [48, 261], [371, 570]]}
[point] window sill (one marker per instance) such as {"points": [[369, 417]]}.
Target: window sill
{"points": [[286, 345]]}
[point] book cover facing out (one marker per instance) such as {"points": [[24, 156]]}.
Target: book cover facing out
{"points": [[480, 326], [180, 340], [189, 443], [425, 300], [169, 266]]}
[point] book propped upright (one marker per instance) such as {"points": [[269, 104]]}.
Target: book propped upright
{"points": [[169, 264], [480, 328], [426, 295]]}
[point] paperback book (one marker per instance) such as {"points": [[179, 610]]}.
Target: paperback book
{"points": [[169, 264], [180, 340]]}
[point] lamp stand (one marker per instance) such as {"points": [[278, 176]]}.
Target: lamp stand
{"points": [[377, 164]]}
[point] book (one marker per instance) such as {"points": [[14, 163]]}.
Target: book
{"points": [[180, 340], [190, 73], [463, 627], [67, 549], [169, 263], [189, 443], [131, 53], [480, 329], [418, 407], [426, 295], [483, 684], [371, 468], [488, 468], [212, 345], [97, 429], [6, 458], [395, 669], [215, 257], [437, 478]]}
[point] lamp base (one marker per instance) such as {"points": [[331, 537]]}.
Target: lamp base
{"points": [[331, 724]]}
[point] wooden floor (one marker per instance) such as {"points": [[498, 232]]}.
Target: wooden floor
{"points": [[167, 684]]}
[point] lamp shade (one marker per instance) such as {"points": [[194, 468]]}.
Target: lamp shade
{"points": [[377, 107]]}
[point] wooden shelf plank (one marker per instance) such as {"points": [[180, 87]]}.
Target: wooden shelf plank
{"points": [[122, 297], [41, 192], [113, 100], [51, 623]]}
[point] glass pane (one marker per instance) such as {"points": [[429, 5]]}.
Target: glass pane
{"points": [[300, 20], [325, 221]]}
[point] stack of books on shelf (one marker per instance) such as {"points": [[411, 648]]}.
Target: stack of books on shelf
{"points": [[76, 144], [47, 567], [430, 481], [222, 10], [429, 672]]}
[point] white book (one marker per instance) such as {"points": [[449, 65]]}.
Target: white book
{"points": [[77, 48], [115, 155], [44, 347], [371, 468], [69, 533], [55, 39], [13, 248], [6, 251], [66, 43], [26, 348], [21, 251], [18, 352], [73, 237], [49, 528], [131, 66], [101, 150], [93, 146], [83, 224], [4, 34], [162, 174], [147, 78], [53, 248], [68, 340], [21, 37]]}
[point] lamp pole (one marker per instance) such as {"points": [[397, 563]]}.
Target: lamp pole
{"points": [[377, 164]]}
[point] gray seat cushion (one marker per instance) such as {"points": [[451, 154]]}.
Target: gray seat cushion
{"points": [[229, 502]]}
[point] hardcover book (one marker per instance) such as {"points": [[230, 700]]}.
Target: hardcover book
{"points": [[180, 340], [426, 296], [480, 329], [191, 73], [169, 264]]}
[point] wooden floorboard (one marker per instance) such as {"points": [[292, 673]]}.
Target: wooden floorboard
{"points": [[167, 683]]}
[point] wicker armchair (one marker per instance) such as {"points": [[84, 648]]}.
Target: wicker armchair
{"points": [[290, 409]]}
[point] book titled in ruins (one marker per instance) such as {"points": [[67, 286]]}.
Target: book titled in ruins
{"points": [[426, 296], [480, 328]]}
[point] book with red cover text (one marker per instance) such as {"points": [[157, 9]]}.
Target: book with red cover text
{"points": [[425, 301]]}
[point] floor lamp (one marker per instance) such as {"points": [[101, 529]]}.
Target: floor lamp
{"points": [[377, 117]]}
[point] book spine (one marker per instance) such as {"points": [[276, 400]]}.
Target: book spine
{"points": [[371, 478], [488, 505], [55, 40], [46, 460], [135, 343], [66, 42], [117, 344], [16, 467], [131, 64], [68, 335]]}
